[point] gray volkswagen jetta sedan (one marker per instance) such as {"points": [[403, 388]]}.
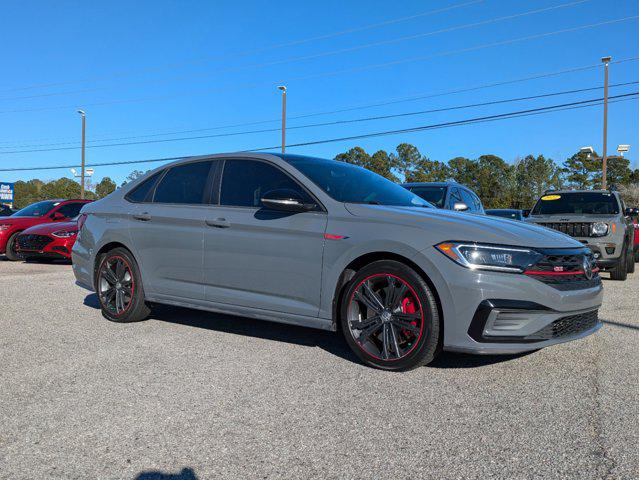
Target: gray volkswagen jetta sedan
{"points": [[329, 245]]}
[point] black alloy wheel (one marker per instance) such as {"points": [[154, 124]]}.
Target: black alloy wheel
{"points": [[119, 287], [390, 318]]}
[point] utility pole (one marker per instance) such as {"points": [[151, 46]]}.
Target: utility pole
{"points": [[604, 157], [283, 89], [81, 112]]}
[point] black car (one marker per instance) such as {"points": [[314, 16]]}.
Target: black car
{"points": [[447, 195], [5, 210], [510, 213]]}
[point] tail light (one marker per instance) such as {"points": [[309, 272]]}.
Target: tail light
{"points": [[81, 219]]}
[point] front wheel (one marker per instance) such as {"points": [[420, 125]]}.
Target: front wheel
{"points": [[620, 272], [631, 261], [389, 317], [119, 287], [11, 251]]}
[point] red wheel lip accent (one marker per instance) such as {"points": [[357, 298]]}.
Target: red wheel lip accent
{"points": [[132, 283], [421, 311]]}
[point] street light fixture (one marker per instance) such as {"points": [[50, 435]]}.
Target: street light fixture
{"points": [[282, 88], [622, 149], [82, 173]]}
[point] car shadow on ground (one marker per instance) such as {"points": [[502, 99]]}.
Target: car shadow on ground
{"points": [[330, 342], [184, 474]]}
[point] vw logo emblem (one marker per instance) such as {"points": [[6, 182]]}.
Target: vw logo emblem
{"points": [[587, 265]]}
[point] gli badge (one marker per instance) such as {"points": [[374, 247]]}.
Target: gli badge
{"points": [[587, 265]]}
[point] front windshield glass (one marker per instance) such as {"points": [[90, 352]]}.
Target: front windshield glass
{"points": [[434, 195], [577, 203], [38, 209], [351, 184]]}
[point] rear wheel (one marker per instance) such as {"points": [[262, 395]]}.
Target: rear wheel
{"points": [[389, 317], [119, 287], [11, 252], [637, 255], [620, 272]]}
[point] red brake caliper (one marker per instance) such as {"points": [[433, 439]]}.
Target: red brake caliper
{"points": [[408, 307]]}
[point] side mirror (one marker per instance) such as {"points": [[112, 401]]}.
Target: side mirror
{"points": [[57, 216], [460, 207], [286, 200], [526, 212]]}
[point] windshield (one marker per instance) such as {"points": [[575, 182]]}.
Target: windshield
{"points": [[434, 195], [578, 203], [351, 184], [38, 209]]}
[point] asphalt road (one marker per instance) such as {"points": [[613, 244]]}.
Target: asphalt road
{"points": [[193, 395]]}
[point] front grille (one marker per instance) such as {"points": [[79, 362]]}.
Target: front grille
{"points": [[574, 229], [567, 326], [33, 242], [555, 270]]}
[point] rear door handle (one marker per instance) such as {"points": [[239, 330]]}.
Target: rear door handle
{"points": [[143, 217], [218, 223]]}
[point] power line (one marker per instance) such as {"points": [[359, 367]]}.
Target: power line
{"points": [[470, 121], [323, 124], [343, 50], [258, 50], [391, 101], [345, 71]]}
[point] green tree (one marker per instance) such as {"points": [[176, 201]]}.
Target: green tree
{"points": [[427, 170], [492, 181], [380, 162], [619, 172], [580, 170], [405, 159], [532, 176], [464, 170], [105, 187], [132, 176]]}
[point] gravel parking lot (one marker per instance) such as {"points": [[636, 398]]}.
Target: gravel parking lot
{"points": [[194, 395]]}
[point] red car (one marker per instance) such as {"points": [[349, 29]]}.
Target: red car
{"points": [[48, 211], [48, 241], [636, 241]]}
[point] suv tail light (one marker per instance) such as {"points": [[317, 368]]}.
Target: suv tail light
{"points": [[81, 219]]}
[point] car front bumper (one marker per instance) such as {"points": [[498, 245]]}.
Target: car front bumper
{"points": [[501, 313]]}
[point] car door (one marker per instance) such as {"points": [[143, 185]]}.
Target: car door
{"points": [[167, 230], [260, 258]]}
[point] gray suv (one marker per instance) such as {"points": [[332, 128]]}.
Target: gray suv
{"points": [[329, 245], [596, 218]]}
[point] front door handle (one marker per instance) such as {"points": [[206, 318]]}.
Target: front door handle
{"points": [[143, 217], [218, 223]]}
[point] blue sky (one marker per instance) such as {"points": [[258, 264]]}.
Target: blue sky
{"points": [[144, 68]]}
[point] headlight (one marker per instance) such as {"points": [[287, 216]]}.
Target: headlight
{"points": [[489, 257], [599, 229], [64, 233]]}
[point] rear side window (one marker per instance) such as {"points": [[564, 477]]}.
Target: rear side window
{"points": [[141, 192], [455, 197], [71, 210], [244, 182], [468, 199], [183, 184]]}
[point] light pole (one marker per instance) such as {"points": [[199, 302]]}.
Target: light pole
{"points": [[604, 162], [283, 89], [81, 112]]}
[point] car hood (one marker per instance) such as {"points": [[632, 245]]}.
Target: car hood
{"points": [[50, 227], [571, 218], [22, 222], [467, 227]]}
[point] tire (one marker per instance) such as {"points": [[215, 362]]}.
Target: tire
{"points": [[119, 287], [402, 335], [10, 251], [620, 272], [636, 255], [630, 260]]}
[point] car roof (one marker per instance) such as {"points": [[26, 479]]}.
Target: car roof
{"points": [[430, 184], [550, 192]]}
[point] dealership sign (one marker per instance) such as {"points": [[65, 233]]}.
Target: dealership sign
{"points": [[6, 192]]}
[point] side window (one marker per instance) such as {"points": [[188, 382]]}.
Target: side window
{"points": [[141, 192], [244, 182], [454, 197], [479, 205], [468, 199], [71, 210], [183, 184]]}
